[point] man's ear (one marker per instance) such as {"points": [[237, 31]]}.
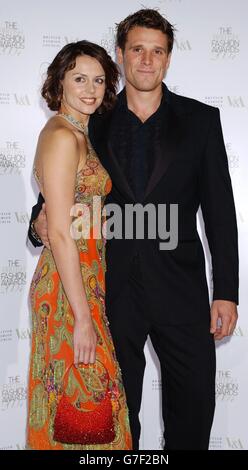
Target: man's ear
{"points": [[119, 55]]}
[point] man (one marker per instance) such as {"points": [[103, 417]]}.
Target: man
{"points": [[160, 148]]}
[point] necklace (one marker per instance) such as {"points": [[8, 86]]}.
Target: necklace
{"points": [[79, 125]]}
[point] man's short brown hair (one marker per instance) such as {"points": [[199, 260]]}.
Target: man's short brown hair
{"points": [[145, 18]]}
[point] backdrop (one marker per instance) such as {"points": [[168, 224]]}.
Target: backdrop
{"points": [[209, 63]]}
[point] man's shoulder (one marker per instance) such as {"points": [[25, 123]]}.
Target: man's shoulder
{"points": [[189, 105], [100, 122]]}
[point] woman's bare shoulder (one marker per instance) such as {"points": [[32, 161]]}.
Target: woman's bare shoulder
{"points": [[57, 132]]}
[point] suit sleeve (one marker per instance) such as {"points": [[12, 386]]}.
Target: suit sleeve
{"points": [[217, 203], [35, 212]]}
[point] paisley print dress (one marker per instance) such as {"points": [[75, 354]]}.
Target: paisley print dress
{"points": [[52, 327]]}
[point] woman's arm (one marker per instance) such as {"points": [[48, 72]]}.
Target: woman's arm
{"points": [[58, 153]]}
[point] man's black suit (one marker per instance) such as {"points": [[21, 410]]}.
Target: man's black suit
{"points": [[164, 294]]}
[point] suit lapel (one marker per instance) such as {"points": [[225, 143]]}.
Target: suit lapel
{"points": [[100, 135], [117, 174], [167, 146]]}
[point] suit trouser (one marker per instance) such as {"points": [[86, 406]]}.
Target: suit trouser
{"points": [[187, 359]]}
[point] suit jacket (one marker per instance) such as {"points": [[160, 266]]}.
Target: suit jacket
{"points": [[191, 170]]}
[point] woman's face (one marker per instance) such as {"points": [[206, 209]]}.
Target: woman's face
{"points": [[83, 88]]}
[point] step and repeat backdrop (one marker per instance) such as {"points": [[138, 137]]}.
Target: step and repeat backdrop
{"points": [[209, 63]]}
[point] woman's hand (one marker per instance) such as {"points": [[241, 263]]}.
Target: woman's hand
{"points": [[84, 341]]}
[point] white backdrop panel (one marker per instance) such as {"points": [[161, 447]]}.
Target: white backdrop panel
{"points": [[210, 64]]}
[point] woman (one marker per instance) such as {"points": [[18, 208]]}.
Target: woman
{"points": [[67, 290]]}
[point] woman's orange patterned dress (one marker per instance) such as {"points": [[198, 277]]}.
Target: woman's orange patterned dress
{"points": [[52, 330]]}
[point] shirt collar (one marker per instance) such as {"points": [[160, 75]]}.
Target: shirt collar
{"points": [[122, 97]]}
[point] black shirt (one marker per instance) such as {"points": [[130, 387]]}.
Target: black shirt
{"points": [[134, 143]]}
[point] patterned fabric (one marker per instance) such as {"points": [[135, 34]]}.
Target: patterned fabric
{"points": [[52, 330]]}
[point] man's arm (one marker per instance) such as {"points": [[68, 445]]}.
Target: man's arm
{"points": [[32, 235], [219, 215]]}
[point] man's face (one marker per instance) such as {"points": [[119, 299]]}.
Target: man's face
{"points": [[145, 58]]}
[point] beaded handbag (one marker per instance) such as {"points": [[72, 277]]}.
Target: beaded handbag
{"points": [[77, 426]]}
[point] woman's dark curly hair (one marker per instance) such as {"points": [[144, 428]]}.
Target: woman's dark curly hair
{"points": [[52, 90]]}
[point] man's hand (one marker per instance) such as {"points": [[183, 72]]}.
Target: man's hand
{"points": [[224, 316], [40, 225]]}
